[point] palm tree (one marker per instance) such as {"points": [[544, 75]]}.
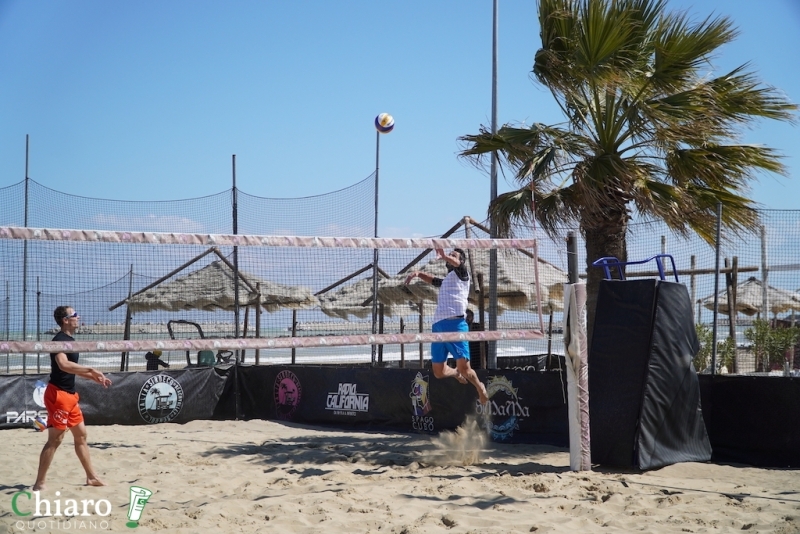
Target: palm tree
{"points": [[648, 129]]}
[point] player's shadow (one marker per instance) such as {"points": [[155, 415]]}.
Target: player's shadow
{"points": [[383, 449], [106, 445], [16, 488]]}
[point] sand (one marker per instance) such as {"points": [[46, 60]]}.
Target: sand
{"points": [[265, 476]]}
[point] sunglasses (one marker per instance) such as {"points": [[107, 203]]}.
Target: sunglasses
{"points": [[72, 315]]}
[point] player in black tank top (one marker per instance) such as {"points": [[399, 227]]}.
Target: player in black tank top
{"points": [[61, 401]]}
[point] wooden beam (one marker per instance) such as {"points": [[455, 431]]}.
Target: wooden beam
{"points": [[172, 273]]}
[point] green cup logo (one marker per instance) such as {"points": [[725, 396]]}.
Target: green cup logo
{"points": [[139, 498]]}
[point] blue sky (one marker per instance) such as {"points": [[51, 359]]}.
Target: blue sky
{"points": [[148, 100]]}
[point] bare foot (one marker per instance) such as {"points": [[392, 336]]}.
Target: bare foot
{"points": [[482, 395], [94, 482], [38, 487], [460, 378]]}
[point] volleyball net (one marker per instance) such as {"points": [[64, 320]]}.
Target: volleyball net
{"points": [[260, 298]]}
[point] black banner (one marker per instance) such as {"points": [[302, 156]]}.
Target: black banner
{"points": [[749, 419], [525, 407], [753, 419], [22, 400], [133, 399]]}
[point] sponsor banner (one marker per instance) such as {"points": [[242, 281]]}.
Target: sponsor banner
{"points": [[139, 398], [22, 400], [523, 406], [528, 407], [319, 395]]}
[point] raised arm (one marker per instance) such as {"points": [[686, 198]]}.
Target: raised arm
{"points": [[454, 258]]}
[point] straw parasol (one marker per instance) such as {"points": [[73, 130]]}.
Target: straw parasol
{"points": [[212, 288], [356, 299], [750, 298], [515, 283]]}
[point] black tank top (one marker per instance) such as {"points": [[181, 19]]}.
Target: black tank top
{"points": [[59, 378]]}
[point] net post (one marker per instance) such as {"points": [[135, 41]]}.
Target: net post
{"points": [[575, 352], [421, 327], [258, 320], [402, 345], [294, 334]]}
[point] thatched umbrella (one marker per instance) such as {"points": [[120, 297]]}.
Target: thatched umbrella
{"points": [[212, 288], [356, 299], [750, 298], [516, 287]]}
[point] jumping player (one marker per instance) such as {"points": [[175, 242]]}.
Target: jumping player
{"points": [[451, 307]]}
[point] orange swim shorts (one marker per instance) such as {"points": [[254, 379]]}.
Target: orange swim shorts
{"points": [[63, 411]]}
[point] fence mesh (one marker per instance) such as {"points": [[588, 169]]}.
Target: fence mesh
{"points": [[295, 288], [94, 277]]}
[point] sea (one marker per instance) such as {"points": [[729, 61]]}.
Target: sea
{"points": [[14, 363]]}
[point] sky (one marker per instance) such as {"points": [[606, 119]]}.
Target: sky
{"points": [[149, 100]]}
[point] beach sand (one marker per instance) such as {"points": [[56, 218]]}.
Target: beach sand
{"points": [[264, 476]]}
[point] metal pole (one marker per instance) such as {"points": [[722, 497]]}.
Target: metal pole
{"points": [[38, 324], [572, 257], [235, 258], [764, 273], [716, 291], [258, 321], [492, 356], [25, 265], [402, 346], [124, 364], [375, 251], [235, 287], [294, 334], [8, 312], [693, 286], [421, 326], [8, 324]]}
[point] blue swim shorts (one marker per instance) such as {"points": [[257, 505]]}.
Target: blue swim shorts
{"points": [[459, 349]]}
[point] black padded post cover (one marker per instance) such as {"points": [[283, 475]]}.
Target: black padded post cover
{"points": [[644, 395], [620, 343]]}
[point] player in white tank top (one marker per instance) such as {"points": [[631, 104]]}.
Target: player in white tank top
{"points": [[451, 308]]}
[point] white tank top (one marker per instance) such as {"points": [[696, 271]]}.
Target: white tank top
{"points": [[453, 295]]}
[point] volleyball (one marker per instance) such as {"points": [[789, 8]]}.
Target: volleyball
{"points": [[384, 123], [39, 424]]}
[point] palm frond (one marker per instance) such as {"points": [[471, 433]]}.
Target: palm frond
{"points": [[682, 48], [716, 166], [645, 128]]}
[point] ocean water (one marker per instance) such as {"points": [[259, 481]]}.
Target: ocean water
{"points": [[40, 363]]}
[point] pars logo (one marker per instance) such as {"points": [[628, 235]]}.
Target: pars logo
{"points": [[30, 416]]}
